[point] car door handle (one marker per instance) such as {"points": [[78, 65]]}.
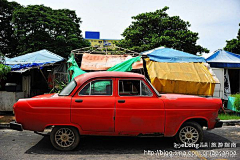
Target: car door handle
{"points": [[78, 100], [121, 101]]}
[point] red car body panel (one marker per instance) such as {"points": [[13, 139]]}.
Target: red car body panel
{"points": [[104, 115], [180, 108]]}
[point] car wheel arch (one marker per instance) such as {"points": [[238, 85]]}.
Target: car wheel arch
{"points": [[64, 125], [202, 121]]}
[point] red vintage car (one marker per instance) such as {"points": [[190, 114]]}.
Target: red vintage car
{"points": [[115, 104]]}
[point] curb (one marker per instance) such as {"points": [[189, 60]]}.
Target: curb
{"points": [[232, 122]]}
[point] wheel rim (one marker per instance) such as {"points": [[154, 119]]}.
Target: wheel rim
{"points": [[64, 137], [189, 135]]}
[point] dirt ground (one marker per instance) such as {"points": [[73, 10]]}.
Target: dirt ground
{"points": [[6, 119]]}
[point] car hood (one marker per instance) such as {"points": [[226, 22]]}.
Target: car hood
{"points": [[46, 95]]}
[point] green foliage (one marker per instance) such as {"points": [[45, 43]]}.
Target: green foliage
{"points": [[40, 27], [154, 29], [58, 87], [36, 27], [236, 101], [4, 70], [8, 43], [234, 44]]}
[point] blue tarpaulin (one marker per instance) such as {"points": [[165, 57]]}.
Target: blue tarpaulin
{"points": [[224, 59], [170, 55], [34, 59]]}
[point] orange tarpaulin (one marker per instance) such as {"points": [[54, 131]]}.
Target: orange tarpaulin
{"points": [[104, 62]]}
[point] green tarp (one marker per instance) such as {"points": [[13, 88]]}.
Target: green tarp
{"points": [[125, 66], [74, 67], [230, 104]]}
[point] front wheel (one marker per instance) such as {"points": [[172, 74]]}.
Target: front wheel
{"points": [[190, 133], [64, 138]]}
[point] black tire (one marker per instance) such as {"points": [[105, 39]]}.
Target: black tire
{"points": [[64, 138], [191, 136]]}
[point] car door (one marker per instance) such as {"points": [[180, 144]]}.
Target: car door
{"points": [[93, 106], [138, 108]]}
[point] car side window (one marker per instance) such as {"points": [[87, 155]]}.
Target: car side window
{"points": [[133, 88], [98, 87]]}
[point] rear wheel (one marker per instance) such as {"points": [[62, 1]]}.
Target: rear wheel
{"points": [[190, 133], [64, 138]]}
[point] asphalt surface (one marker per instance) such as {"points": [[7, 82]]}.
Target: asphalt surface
{"points": [[27, 145]]}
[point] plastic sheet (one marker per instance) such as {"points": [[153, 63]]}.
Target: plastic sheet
{"points": [[182, 78], [224, 59], [125, 66], [74, 67], [34, 59], [104, 62], [230, 104], [170, 55]]}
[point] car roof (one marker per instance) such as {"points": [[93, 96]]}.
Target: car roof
{"points": [[84, 77]]}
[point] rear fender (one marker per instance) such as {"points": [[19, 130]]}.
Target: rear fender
{"points": [[69, 125], [185, 120]]}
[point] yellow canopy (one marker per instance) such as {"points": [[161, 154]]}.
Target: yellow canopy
{"points": [[183, 78]]}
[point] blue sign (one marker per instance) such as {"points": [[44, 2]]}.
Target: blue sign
{"points": [[92, 35]]}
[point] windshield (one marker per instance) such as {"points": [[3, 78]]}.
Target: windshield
{"points": [[68, 89], [153, 88]]}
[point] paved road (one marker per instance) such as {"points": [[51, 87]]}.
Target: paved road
{"points": [[27, 145]]}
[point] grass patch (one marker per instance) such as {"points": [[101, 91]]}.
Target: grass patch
{"points": [[228, 116]]}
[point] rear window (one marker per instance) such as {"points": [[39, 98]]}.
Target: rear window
{"points": [[98, 87], [68, 89], [133, 88]]}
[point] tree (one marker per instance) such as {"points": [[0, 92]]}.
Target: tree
{"points": [[234, 44], [40, 27], [8, 40], [154, 29], [4, 70]]}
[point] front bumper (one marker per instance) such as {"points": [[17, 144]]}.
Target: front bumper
{"points": [[16, 126]]}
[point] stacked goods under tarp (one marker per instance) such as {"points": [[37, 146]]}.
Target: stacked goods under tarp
{"points": [[172, 71], [124, 66], [104, 62], [183, 78]]}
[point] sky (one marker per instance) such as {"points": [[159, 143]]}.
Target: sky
{"points": [[215, 20]]}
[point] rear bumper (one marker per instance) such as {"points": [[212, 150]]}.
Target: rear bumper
{"points": [[218, 124], [16, 126]]}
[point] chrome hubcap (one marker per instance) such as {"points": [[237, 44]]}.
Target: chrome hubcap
{"points": [[188, 135], [64, 137]]}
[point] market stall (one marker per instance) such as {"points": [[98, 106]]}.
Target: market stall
{"points": [[31, 74], [173, 71], [228, 66]]}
